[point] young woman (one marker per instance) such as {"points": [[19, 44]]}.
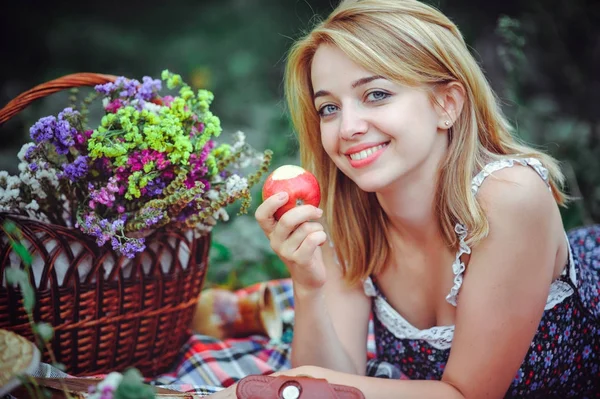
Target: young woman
{"points": [[434, 217]]}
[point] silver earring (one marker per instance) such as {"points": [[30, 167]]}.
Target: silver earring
{"points": [[447, 123]]}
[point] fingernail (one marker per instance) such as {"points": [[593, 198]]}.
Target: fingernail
{"points": [[319, 211], [282, 195]]}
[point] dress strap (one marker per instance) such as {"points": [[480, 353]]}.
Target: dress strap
{"points": [[495, 166], [458, 267], [369, 287]]}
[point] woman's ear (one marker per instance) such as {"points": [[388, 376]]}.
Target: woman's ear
{"points": [[449, 99]]}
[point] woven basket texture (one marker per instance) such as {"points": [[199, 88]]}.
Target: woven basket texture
{"points": [[109, 312]]}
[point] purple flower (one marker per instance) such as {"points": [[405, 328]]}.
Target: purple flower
{"points": [[33, 166], [105, 88], [43, 129], [153, 219], [126, 87], [57, 132], [155, 187], [565, 376], [66, 113], [118, 225], [148, 88], [76, 170], [586, 351], [29, 152], [132, 247]]}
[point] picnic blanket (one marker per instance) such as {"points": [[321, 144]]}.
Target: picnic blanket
{"points": [[206, 365]]}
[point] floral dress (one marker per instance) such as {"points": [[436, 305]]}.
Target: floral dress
{"points": [[564, 357]]}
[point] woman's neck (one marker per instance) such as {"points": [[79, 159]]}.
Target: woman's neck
{"points": [[410, 206], [411, 214]]}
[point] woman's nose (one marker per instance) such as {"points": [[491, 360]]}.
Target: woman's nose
{"points": [[352, 123]]}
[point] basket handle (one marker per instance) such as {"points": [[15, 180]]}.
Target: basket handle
{"points": [[42, 90]]}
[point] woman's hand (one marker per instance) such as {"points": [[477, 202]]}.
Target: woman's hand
{"points": [[295, 238]]}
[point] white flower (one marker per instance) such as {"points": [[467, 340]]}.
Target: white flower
{"points": [[212, 195], [32, 211], [217, 179], [240, 141], [200, 229], [35, 179], [243, 162], [154, 108], [235, 184], [13, 182], [23, 151], [10, 190], [32, 206], [221, 214]]}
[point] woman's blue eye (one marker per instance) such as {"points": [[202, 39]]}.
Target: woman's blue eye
{"points": [[377, 95], [327, 110]]}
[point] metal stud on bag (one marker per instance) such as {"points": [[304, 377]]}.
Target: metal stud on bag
{"points": [[291, 391]]}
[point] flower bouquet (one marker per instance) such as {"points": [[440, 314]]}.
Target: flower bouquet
{"points": [[116, 217], [152, 162]]}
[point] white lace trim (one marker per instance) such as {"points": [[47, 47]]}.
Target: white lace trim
{"points": [[440, 337], [572, 269], [458, 267], [559, 290], [369, 287], [495, 166]]}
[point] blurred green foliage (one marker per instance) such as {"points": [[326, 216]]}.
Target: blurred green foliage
{"points": [[541, 56]]}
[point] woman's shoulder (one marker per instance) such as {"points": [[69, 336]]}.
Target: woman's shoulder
{"points": [[511, 171], [518, 194]]}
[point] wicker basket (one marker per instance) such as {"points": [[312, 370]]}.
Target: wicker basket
{"points": [[109, 312]]}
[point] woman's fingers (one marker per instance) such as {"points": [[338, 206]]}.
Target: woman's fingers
{"points": [[294, 218], [304, 253], [265, 212], [291, 245], [295, 238]]}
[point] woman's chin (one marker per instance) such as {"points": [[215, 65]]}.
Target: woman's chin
{"points": [[370, 185]]}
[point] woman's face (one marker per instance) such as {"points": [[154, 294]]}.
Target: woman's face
{"points": [[377, 132]]}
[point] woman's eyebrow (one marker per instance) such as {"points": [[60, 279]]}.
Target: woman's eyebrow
{"points": [[364, 81], [355, 84]]}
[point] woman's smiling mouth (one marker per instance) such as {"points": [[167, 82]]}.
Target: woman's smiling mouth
{"points": [[365, 157]]}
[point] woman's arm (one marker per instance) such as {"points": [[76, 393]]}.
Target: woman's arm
{"points": [[371, 387], [331, 325], [506, 284], [331, 317]]}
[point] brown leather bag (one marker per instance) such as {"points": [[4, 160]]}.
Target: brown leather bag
{"points": [[282, 387]]}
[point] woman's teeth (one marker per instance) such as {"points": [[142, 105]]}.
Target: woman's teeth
{"points": [[365, 153]]}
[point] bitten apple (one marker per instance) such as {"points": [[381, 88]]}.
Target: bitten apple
{"points": [[301, 185]]}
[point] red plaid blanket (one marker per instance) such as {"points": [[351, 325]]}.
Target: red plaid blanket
{"points": [[206, 364]]}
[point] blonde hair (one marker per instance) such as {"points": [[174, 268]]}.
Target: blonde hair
{"points": [[412, 44]]}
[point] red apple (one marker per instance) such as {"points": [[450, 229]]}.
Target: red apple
{"points": [[301, 186]]}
